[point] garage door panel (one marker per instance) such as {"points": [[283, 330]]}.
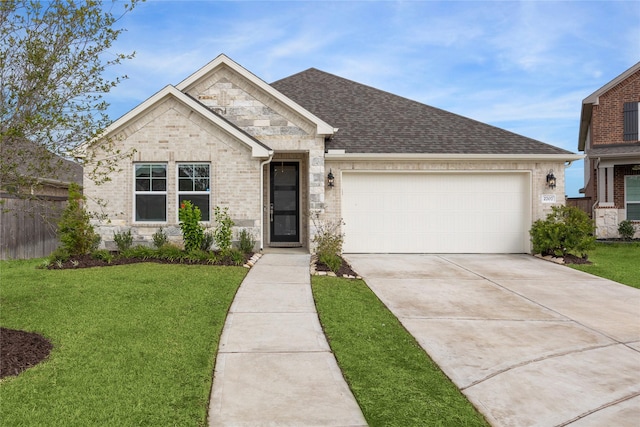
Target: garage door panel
{"points": [[436, 212]]}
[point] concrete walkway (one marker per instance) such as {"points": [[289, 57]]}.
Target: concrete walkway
{"points": [[529, 342], [274, 366]]}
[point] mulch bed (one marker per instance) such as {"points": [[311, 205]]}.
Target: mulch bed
{"points": [[20, 350], [345, 269], [86, 261], [572, 259]]}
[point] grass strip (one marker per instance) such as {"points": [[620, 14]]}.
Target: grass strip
{"points": [[395, 382], [615, 261], [133, 345]]}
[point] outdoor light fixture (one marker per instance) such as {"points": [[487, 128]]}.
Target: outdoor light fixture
{"points": [[551, 180], [330, 179]]}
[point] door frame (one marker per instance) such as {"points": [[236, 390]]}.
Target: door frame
{"points": [[296, 240]]}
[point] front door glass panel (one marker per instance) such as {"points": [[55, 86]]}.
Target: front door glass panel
{"points": [[285, 202]]}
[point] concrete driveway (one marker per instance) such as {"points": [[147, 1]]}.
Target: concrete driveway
{"points": [[529, 342]]}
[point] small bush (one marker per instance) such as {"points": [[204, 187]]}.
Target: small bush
{"points": [[102, 255], [328, 240], [247, 242], [139, 251], [236, 256], [192, 231], [60, 254], [74, 229], [332, 261], [160, 238], [197, 255], [123, 240], [170, 252], [626, 229], [222, 233], [207, 241], [566, 229]]}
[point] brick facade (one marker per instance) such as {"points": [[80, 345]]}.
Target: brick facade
{"points": [[607, 119]]}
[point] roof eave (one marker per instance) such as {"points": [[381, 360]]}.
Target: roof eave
{"points": [[569, 157]]}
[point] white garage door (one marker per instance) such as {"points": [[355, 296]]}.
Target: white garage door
{"points": [[436, 212]]}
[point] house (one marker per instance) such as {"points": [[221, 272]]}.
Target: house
{"points": [[402, 176], [609, 137], [34, 187]]}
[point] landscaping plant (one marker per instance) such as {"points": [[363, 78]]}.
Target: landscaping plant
{"points": [[328, 241], [192, 231], [76, 233], [566, 230], [222, 233], [626, 229], [160, 238], [247, 242], [123, 240]]}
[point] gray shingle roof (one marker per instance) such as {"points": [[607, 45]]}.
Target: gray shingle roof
{"points": [[374, 121]]}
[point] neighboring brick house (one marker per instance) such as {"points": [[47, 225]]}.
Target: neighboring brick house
{"points": [[403, 176], [609, 137]]}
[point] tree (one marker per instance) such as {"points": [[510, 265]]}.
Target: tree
{"points": [[52, 58]]}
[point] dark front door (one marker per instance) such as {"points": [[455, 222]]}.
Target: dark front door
{"points": [[285, 202]]}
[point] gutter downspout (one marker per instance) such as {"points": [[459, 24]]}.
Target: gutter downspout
{"points": [[593, 207], [262, 198]]}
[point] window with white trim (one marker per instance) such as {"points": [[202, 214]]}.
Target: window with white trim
{"points": [[194, 183], [632, 196], [151, 192]]}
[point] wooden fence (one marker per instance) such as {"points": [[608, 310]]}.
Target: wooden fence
{"points": [[582, 203], [28, 227]]}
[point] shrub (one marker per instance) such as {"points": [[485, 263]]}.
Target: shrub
{"points": [[328, 241], [123, 240], [170, 253], [60, 254], [207, 241], [197, 255], [222, 233], [139, 251], [247, 242], [566, 229], [102, 255], [160, 238], [626, 229], [236, 256], [74, 229], [192, 231]]}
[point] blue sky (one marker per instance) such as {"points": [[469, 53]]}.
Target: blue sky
{"points": [[522, 66]]}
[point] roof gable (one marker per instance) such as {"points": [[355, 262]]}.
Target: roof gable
{"points": [[374, 121], [222, 61], [594, 98], [258, 149]]}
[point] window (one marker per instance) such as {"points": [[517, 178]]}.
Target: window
{"points": [[631, 120], [632, 195], [151, 192], [194, 185]]}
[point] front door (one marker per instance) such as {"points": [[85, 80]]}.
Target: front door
{"points": [[285, 202]]}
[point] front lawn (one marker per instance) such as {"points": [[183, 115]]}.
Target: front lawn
{"points": [[393, 379], [616, 261], [133, 345]]}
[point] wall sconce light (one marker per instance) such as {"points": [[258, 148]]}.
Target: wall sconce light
{"points": [[551, 180], [330, 179]]}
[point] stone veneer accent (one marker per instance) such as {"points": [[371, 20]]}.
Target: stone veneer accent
{"points": [[171, 133]]}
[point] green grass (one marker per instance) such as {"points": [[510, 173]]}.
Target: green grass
{"points": [[616, 261], [393, 379], [133, 345]]}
